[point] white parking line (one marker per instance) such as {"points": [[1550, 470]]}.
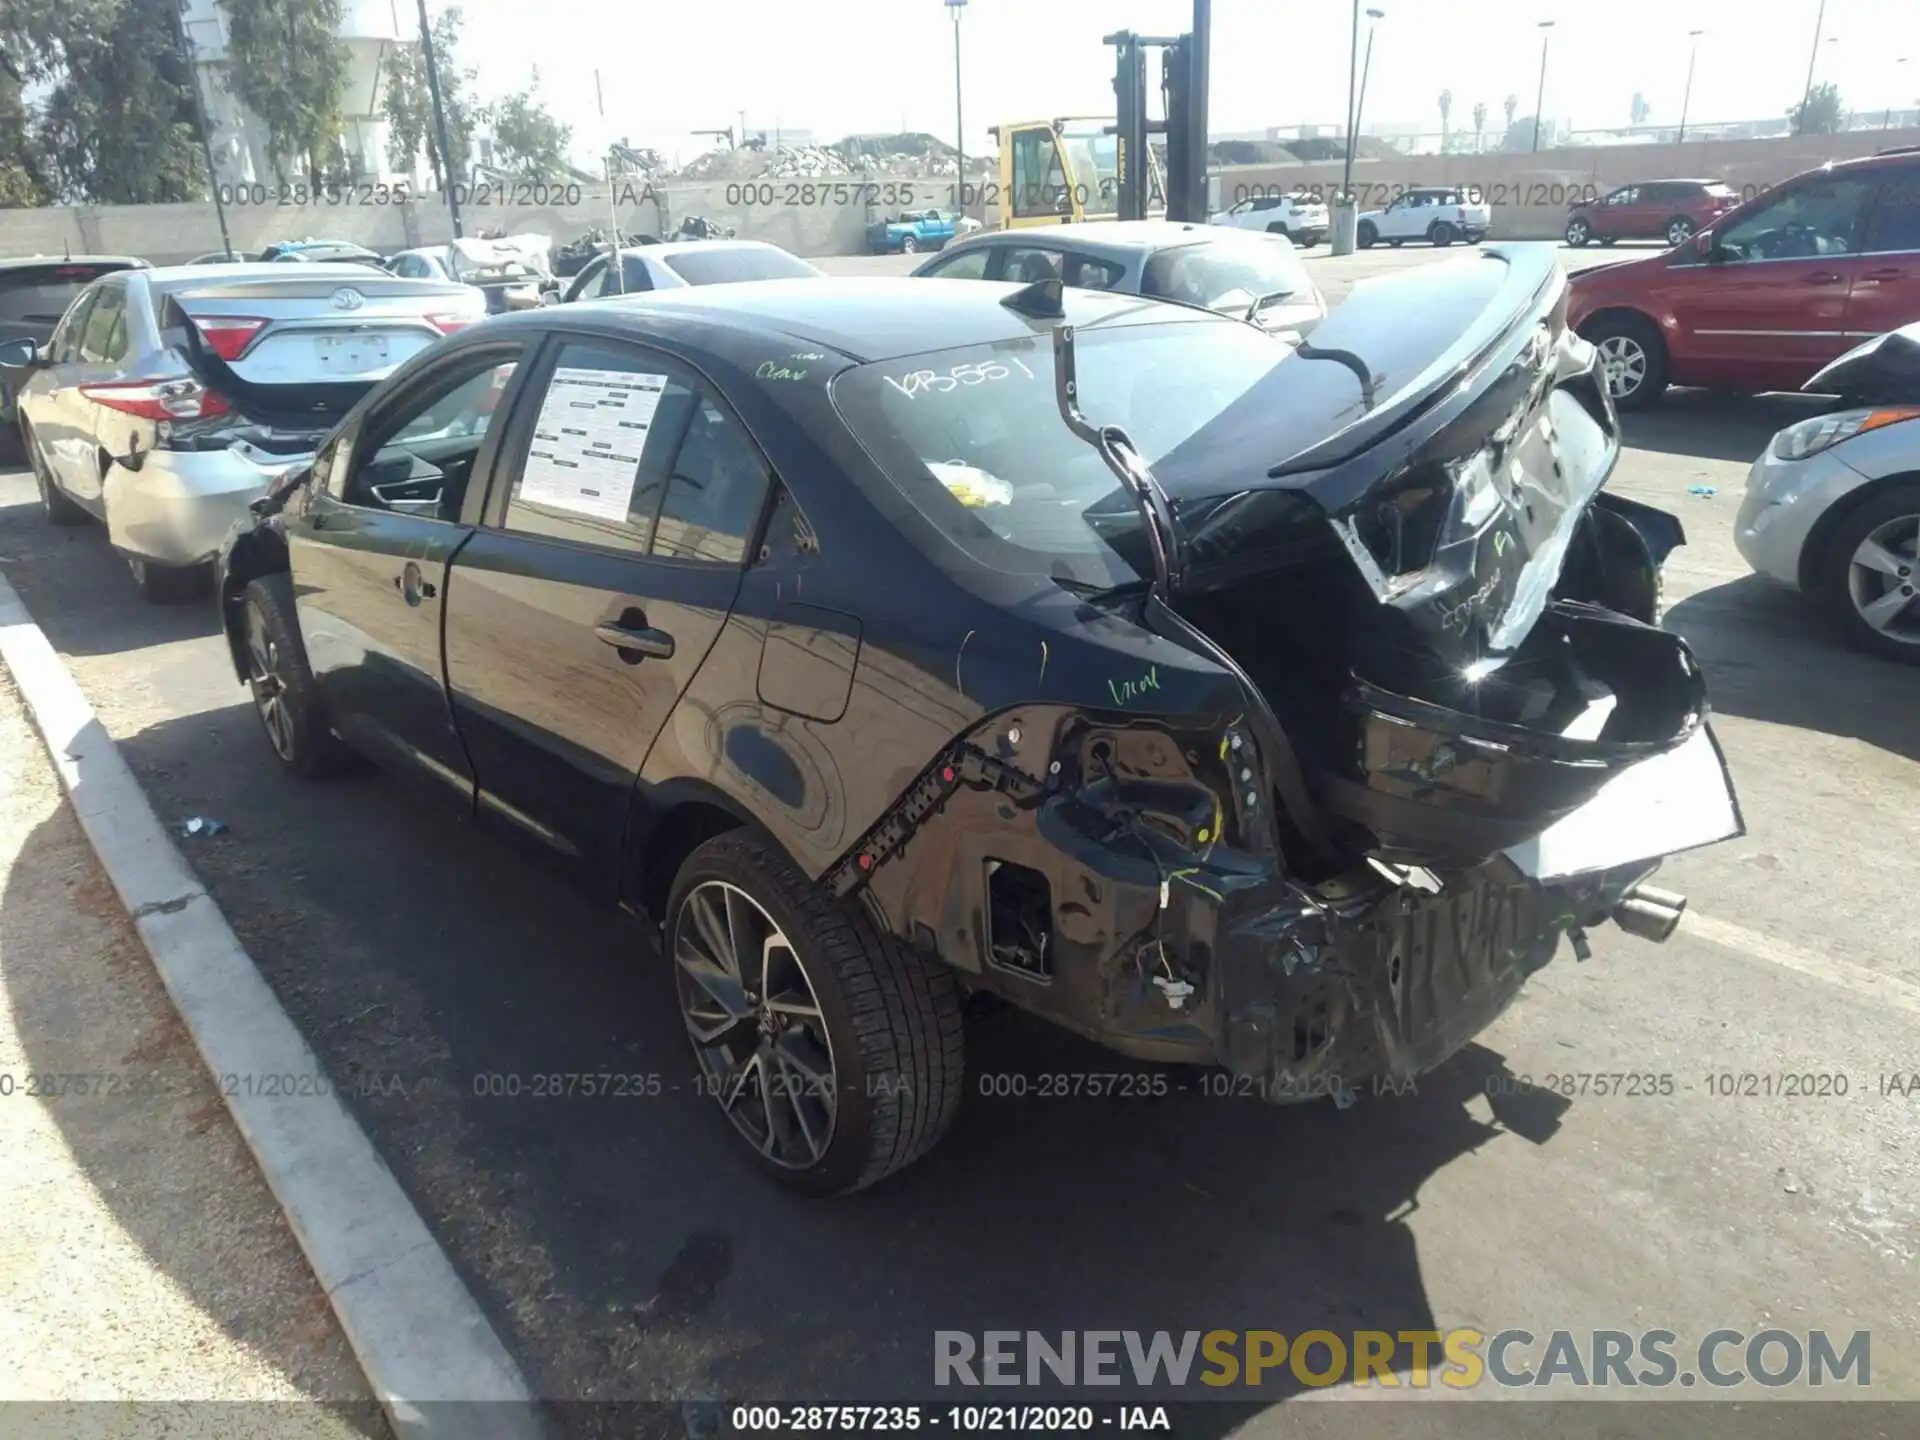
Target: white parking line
{"points": [[428, 1350], [1842, 974]]}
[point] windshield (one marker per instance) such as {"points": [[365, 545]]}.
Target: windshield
{"points": [[973, 437], [721, 267], [1226, 274]]}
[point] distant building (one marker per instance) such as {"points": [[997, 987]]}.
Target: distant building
{"points": [[371, 29]]}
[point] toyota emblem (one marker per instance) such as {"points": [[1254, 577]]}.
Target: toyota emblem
{"points": [[348, 298]]}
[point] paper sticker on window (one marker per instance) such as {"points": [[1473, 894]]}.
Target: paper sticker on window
{"points": [[586, 447], [972, 487]]}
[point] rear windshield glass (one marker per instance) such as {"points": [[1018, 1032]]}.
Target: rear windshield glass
{"points": [[1227, 275], [721, 267], [41, 297], [973, 436]]}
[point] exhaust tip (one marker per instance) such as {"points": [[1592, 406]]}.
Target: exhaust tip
{"points": [[1651, 914]]}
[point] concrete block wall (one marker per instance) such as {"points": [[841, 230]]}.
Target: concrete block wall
{"points": [[1528, 194]]}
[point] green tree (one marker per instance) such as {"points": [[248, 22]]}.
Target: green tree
{"points": [[119, 125], [1479, 122], [527, 137], [1820, 113], [1446, 115], [408, 101], [23, 177], [286, 64]]}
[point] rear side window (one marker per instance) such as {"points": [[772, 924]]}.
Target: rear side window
{"points": [[633, 451], [967, 265], [105, 338], [1896, 222]]}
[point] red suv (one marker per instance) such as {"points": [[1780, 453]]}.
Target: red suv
{"points": [[1669, 210], [1768, 294]]}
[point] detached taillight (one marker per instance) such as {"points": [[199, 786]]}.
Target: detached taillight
{"points": [[228, 336], [182, 399], [447, 324]]}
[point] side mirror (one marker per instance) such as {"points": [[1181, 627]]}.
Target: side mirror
{"points": [[21, 354], [1703, 244]]}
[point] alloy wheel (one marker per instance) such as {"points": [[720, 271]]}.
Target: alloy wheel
{"points": [[756, 1024], [1679, 232], [1577, 233], [1623, 360], [1882, 578], [269, 687]]}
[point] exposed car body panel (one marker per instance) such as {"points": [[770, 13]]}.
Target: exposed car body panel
{"points": [[1089, 803]]}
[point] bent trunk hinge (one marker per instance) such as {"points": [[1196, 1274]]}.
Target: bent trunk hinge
{"points": [[962, 765]]}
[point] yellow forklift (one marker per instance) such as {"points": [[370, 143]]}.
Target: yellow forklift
{"points": [[1075, 168]]}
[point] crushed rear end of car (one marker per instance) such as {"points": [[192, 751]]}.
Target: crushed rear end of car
{"points": [[1414, 724]]}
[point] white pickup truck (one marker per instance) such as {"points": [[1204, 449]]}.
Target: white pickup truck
{"points": [[1298, 216], [1440, 215]]}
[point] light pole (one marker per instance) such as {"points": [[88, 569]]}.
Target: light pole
{"points": [[1686, 97], [1366, 67], [448, 180], [1540, 97], [1813, 57], [1887, 119], [959, 118]]}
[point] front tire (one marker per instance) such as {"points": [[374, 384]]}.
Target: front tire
{"points": [[285, 696], [1633, 357], [1578, 233], [1869, 576], [909, 246], [1679, 231], [1366, 235], [835, 1053]]}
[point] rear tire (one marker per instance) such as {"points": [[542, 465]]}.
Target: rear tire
{"points": [[909, 246], [1634, 357], [1859, 581], [893, 1061], [1366, 234], [1279, 227], [1441, 234], [285, 696], [59, 507]]}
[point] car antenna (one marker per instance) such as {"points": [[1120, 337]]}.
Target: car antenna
{"points": [[1042, 300]]}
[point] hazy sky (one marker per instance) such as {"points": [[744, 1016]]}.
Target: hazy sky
{"points": [[668, 67]]}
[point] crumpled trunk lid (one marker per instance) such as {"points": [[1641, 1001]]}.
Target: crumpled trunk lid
{"points": [[1454, 627]]}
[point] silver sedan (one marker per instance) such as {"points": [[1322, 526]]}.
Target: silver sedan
{"points": [[162, 393], [1832, 507]]}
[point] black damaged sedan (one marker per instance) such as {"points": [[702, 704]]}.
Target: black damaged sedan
{"points": [[888, 641]]}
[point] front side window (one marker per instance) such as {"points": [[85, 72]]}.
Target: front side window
{"points": [[105, 338], [1819, 217], [418, 458], [1623, 197]]}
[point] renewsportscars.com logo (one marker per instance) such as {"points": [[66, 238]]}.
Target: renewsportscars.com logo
{"points": [[1416, 1359]]}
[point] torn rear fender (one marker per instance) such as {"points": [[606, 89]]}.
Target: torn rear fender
{"points": [[1120, 875]]}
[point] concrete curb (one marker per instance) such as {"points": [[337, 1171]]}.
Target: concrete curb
{"points": [[429, 1353]]}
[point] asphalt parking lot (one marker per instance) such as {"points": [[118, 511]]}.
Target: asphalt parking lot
{"points": [[624, 1251]]}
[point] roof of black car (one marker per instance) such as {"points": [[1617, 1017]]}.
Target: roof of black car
{"points": [[883, 317]]}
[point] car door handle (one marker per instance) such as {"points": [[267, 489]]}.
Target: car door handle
{"points": [[1883, 275], [412, 586], [654, 644]]}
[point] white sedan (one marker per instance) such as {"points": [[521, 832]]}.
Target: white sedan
{"points": [[1832, 507], [1438, 216]]}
